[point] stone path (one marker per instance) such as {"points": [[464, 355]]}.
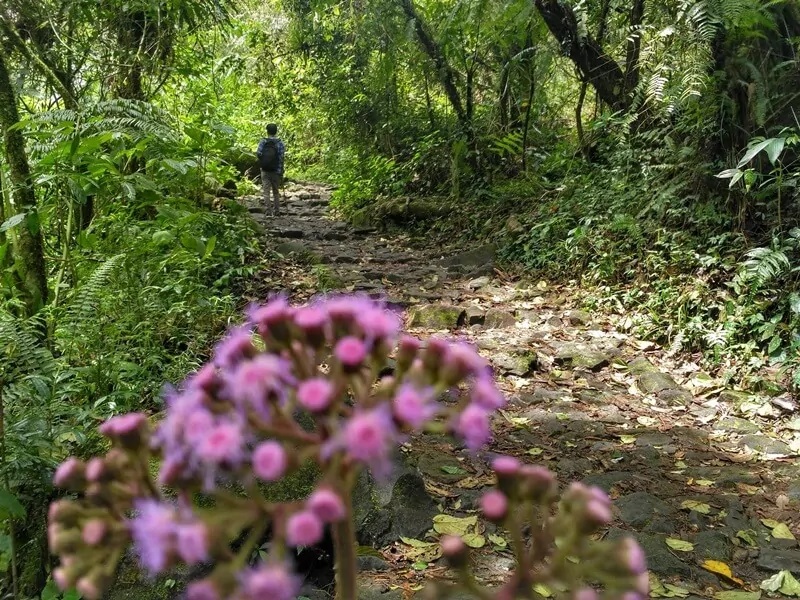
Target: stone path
{"points": [[684, 457]]}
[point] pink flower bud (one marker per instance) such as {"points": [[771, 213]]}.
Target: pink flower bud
{"points": [[506, 466], [62, 579], [192, 543], [315, 394], [462, 360], [494, 505], [539, 483], [88, 588], [586, 593], [486, 394], [406, 352], [64, 512], [94, 530], [597, 513], [312, 321], [633, 556], [351, 352], [202, 590], [327, 505], [127, 429], [96, 470], [69, 474], [434, 355], [269, 461], [272, 320], [412, 407], [271, 581], [303, 529], [473, 425], [454, 550]]}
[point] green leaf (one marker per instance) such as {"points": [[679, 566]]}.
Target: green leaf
{"points": [[453, 470], [681, 545], [535, 451], [10, 507], [12, 222], [794, 303], [752, 151], [498, 540], [748, 536], [474, 540], [419, 566], [163, 237], [210, 244], [774, 148]]}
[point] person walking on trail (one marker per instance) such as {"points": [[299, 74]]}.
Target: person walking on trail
{"points": [[270, 155]]}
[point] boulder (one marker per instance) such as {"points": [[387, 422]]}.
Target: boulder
{"points": [[437, 316]]}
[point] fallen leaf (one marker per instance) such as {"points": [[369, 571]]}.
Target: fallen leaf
{"points": [[782, 501], [676, 591], [471, 483], [498, 540], [681, 545], [474, 540], [783, 582], [419, 566], [737, 595], [627, 439], [419, 551], [535, 451], [720, 568], [542, 590], [748, 536], [779, 530], [696, 506], [704, 482], [450, 525], [518, 421], [646, 421]]}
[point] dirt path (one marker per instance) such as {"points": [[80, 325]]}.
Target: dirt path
{"points": [[684, 458]]}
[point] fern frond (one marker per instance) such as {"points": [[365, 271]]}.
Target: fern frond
{"points": [[21, 351], [86, 299]]}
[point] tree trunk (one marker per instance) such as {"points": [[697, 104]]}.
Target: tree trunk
{"points": [[29, 252], [596, 67], [634, 47], [446, 74]]}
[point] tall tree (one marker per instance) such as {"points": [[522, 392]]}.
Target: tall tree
{"points": [[29, 251]]}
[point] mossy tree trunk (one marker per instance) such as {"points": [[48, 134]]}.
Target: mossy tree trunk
{"points": [[29, 252]]}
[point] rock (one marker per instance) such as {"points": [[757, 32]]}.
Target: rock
{"points": [[734, 397], [372, 563], [373, 591], [441, 467], [437, 316], [607, 480], [581, 356], [764, 444], [513, 225], [653, 382], [639, 508], [773, 559], [498, 319], [338, 236], [475, 315], [386, 510], [472, 258], [578, 317], [641, 365], [479, 282], [712, 544], [675, 397], [343, 258], [289, 233], [653, 439], [287, 248], [515, 364]]}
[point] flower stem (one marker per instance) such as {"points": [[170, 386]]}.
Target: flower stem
{"points": [[344, 543]]}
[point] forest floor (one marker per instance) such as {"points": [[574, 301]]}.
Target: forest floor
{"points": [[705, 477]]}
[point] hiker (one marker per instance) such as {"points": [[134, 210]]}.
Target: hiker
{"points": [[270, 158]]}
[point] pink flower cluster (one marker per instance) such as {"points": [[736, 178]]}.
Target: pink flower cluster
{"points": [[580, 511], [235, 422]]}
